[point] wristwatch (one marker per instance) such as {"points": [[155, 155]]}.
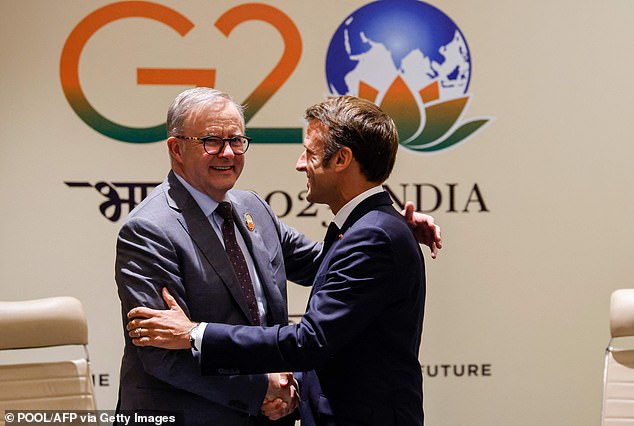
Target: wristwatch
{"points": [[193, 332]]}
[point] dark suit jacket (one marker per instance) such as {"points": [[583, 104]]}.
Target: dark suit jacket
{"points": [[360, 334], [168, 242]]}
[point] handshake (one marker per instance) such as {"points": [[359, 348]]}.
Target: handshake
{"points": [[282, 396]]}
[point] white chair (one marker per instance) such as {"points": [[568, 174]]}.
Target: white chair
{"points": [[50, 385], [618, 376]]}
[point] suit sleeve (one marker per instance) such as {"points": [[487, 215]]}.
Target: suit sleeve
{"points": [[301, 254], [356, 288], [146, 262]]}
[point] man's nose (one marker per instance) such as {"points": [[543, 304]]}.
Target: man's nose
{"points": [[226, 150], [300, 166]]}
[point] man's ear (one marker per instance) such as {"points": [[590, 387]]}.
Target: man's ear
{"points": [[175, 148], [343, 158]]}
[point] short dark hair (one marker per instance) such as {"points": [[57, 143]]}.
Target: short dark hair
{"points": [[363, 127]]}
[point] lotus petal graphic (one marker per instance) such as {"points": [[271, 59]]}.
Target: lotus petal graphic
{"points": [[436, 128], [400, 104]]}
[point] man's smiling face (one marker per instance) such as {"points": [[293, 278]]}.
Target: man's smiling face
{"points": [[216, 174]]}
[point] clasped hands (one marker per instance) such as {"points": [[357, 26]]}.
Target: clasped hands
{"points": [[282, 396], [169, 329]]}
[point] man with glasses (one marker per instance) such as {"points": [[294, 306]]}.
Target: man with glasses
{"points": [[224, 256]]}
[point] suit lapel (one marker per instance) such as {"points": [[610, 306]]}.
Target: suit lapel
{"points": [[201, 232], [382, 199], [373, 202]]}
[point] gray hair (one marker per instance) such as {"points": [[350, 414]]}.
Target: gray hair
{"points": [[190, 98]]}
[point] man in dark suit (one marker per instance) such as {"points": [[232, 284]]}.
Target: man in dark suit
{"points": [[173, 239], [358, 341]]}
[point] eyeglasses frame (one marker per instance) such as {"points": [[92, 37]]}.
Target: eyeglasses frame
{"points": [[206, 139]]}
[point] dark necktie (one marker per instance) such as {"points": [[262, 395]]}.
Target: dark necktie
{"points": [[332, 234], [237, 260]]}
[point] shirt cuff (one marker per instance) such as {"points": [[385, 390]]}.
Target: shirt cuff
{"points": [[197, 334]]}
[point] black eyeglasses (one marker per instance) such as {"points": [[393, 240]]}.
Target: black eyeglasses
{"points": [[215, 144]]}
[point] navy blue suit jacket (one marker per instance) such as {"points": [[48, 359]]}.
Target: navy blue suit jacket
{"points": [[359, 339], [168, 242]]}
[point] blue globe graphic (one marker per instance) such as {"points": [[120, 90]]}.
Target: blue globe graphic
{"points": [[387, 39]]}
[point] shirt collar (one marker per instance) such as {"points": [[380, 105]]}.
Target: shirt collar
{"points": [[205, 202], [344, 212]]}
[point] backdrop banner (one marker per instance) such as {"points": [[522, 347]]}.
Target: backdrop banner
{"points": [[515, 130]]}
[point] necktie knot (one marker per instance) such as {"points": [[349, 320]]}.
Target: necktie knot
{"points": [[224, 210]]}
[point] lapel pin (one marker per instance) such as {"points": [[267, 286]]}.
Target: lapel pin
{"points": [[248, 220]]}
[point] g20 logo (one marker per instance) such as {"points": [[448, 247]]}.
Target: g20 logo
{"points": [[411, 59], [81, 34], [405, 55]]}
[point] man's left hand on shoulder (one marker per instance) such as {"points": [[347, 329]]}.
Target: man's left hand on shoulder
{"points": [[424, 227]]}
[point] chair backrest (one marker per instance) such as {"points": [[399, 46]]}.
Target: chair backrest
{"points": [[56, 385], [618, 375]]}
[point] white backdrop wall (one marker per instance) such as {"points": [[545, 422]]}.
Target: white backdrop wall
{"points": [[536, 206]]}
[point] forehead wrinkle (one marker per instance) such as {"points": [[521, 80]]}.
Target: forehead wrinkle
{"points": [[214, 118]]}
